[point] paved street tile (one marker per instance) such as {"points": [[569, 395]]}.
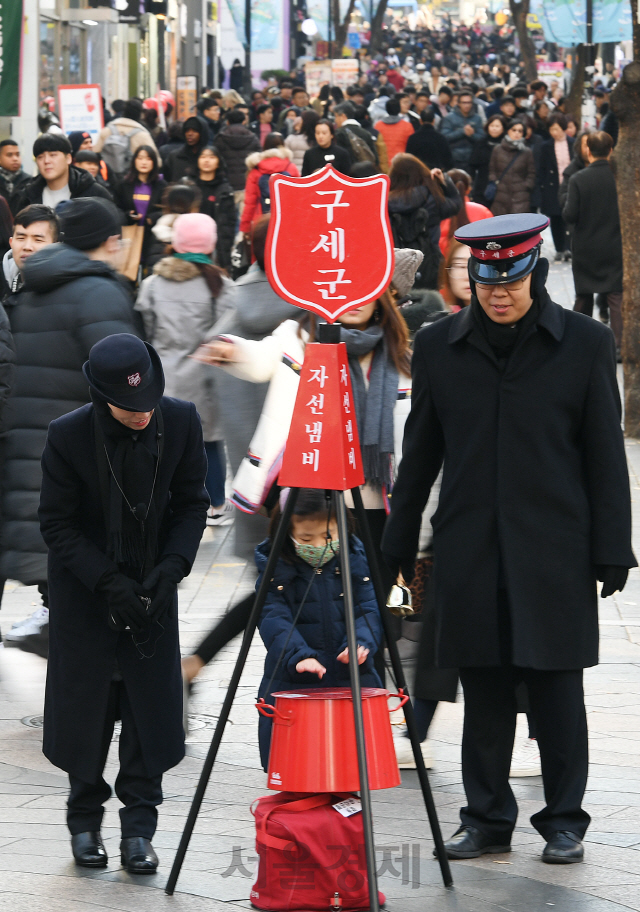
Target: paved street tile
{"points": [[37, 872]]}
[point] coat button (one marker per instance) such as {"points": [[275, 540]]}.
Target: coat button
{"points": [[341, 595], [280, 588], [365, 579]]}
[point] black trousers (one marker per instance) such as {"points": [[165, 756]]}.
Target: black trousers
{"points": [[559, 233], [584, 304], [140, 793], [556, 703]]}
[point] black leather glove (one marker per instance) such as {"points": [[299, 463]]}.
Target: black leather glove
{"points": [[124, 606], [163, 580], [613, 578], [404, 565]]}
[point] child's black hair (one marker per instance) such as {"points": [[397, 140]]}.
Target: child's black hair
{"points": [[310, 502]]}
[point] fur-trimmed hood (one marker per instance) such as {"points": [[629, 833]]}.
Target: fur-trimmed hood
{"points": [[281, 152], [176, 270]]}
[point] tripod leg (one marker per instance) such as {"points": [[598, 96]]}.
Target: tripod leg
{"points": [[365, 534], [212, 753], [365, 795]]}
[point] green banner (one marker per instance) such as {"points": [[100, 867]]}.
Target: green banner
{"points": [[10, 47]]}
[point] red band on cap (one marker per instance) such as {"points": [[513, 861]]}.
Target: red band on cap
{"points": [[506, 253]]}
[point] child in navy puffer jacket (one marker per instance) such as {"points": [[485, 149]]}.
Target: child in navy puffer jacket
{"points": [[316, 653]]}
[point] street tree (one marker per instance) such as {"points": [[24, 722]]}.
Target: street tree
{"points": [[625, 104], [340, 25], [375, 42], [574, 98], [519, 13]]}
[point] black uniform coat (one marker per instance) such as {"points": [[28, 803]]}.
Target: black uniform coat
{"points": [[535, 489], [82, 647], [548, 177], [596, 242]]}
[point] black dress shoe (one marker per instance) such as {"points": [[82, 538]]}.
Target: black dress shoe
{"points": [[88, 850], [563, 848], [467, 842], [137, 855]]}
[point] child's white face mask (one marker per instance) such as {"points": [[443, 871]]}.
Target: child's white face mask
{"points": [[316, 555]]}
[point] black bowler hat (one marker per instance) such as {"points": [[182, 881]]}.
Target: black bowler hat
{"points": [[503, 249], [125, 371]]}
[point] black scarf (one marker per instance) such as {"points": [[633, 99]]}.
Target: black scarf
{"points": [[501, 338], [132, 540], [374, 406]]}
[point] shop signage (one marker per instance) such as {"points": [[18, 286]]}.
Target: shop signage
{"points": [[10, 54], [80, 108]]}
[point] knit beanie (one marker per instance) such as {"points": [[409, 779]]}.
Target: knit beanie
{"points": [[76, 138], [87, 222], [407, 262], [194, 233]]}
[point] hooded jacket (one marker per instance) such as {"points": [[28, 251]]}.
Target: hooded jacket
{"points": [[271, 161], [515, 184], [81, 183], [138, 133], [234, 142], [178, 311], [68, 304], [184, 161], [320, 631], [415, 222], [393, 135], [297, 144]]}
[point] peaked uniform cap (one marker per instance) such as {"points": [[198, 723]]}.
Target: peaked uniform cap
{"points": [[505, 248]]}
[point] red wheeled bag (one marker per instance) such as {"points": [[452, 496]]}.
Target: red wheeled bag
{"points": [[310, 857]]}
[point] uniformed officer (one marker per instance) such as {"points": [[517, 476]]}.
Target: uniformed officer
{"points": [[122, 510], [516, 398]]}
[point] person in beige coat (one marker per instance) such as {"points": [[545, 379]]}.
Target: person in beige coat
{"points": [[128, 125]]}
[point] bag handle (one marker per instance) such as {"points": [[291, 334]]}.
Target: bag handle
{"points": [[302, 804]]}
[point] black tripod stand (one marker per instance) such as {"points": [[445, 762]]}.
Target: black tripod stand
{"points": [[261, 595]]}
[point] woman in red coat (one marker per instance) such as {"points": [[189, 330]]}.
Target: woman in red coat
{"points": [[274, 159]]}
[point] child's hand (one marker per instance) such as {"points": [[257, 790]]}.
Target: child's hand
{"points": [[362, 655], [311, 665]]}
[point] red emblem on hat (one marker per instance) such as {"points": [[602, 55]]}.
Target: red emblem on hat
{"points": [[329, 247], [133, 379]]}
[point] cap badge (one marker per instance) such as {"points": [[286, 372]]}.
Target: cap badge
{"points": [[133, 380], [492, 245]]}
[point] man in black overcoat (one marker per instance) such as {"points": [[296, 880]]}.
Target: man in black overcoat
{"points": [[517, 399], [592, 211], [122, 511]]}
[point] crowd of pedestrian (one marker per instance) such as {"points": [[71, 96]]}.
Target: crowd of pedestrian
{"points": [[155, 230]]}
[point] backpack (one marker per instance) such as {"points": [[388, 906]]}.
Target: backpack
{"points": [[116, 150], [411, 229], [265, 193], [360, 148]]}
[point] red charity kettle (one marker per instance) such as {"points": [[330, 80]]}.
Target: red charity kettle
{"points": [[313, 743]]}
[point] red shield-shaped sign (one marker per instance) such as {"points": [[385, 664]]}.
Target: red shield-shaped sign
{"points": [[329, 247]]}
